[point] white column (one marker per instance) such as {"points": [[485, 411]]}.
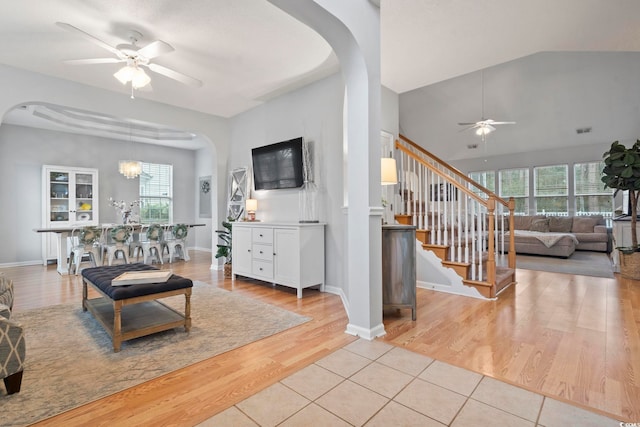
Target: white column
{"points": [[352, 28]]}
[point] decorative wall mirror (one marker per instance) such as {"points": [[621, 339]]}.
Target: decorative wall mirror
{"points": [[238, 192]]}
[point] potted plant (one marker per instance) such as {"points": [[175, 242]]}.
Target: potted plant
{"points": [[224, 249], [622, 172]]}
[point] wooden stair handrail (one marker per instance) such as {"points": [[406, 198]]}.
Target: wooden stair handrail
{"points": [[443, 175], [455, 171]]}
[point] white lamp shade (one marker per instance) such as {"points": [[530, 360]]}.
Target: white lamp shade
{"points": [[251, 205], [140, 78], [124, 74], [388, 171], [133, 74]]}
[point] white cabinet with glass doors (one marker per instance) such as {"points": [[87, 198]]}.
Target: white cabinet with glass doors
{"points": [[70, 198]]}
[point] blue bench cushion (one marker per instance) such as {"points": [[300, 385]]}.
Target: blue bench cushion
{"points": [[102, 277]]}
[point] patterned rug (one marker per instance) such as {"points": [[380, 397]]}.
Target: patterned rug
{"points": [[70, 359], [584, 263]]}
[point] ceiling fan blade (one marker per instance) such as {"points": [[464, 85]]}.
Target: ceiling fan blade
{"points": [[183, 78], [154, 49], [468, 124], [89, 37], [503, 123], [93, 61]]}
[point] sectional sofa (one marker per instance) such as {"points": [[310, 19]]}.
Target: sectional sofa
{"points": [[559, 236]]}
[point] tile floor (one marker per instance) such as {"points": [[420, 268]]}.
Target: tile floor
{"points": [[371, 383]]}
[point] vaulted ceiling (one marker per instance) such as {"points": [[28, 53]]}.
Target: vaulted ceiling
{"points": [[246, 51]]}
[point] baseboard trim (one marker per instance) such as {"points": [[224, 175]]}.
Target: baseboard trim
{"points": [[21, 264], [367, 334]]}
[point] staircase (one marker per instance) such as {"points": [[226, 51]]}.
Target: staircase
{"points": [[458, 223]]}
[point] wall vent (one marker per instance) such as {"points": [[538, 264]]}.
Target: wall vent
{"points": [[583, 130], [472, 146]]}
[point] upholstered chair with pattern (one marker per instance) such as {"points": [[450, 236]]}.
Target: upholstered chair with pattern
{"points": [[12, 344]]}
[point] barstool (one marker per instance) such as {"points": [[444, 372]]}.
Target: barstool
{"points": [[177, 244], [119, 243], [84, 242], [153, 244]]}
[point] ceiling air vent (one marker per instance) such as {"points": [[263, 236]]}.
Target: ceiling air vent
{"points": [[583, 130], [472, 146]]}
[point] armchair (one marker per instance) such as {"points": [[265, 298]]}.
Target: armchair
{"points": [[12, 344]]}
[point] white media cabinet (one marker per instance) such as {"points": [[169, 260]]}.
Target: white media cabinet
{"points": [[284, 254]]}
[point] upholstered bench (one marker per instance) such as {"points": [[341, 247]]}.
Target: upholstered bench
{"points": [[133, 311]]}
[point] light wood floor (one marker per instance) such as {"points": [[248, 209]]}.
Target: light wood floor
{"points": [[574, 338]]}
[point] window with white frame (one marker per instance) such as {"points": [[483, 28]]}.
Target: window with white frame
{"points": [[591, 196], [156, 193], [551, 190], [485, 178], [515, 183]]}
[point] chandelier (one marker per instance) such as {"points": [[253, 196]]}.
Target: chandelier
{"points": [[130, 168]]}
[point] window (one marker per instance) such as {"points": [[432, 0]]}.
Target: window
{"points": [[515, 183], [551, 190], [591, 195], [485, 178], [156, 193]]}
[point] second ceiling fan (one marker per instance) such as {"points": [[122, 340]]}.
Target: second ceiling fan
{"points": [[484, 126]]}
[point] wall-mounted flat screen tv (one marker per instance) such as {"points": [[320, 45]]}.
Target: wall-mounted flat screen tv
{"points": [[278, 165]]}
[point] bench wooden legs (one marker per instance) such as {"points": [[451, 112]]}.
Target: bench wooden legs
{"points": [[117, 325], [187, 310]]}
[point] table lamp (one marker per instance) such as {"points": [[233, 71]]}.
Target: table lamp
{"points": [[252, 207]]}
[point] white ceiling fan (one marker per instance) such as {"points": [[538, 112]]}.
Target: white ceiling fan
{"points": [[483, 126], [136, 58]]}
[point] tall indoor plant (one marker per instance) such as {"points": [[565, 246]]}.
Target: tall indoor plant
{"points": [[622, 172]]}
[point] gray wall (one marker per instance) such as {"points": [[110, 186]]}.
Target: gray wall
{"points": [[315, 113], [549, 95], [24, 150]]}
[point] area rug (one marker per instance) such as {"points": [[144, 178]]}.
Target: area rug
{"points": [[584, 263], [70, 358]]}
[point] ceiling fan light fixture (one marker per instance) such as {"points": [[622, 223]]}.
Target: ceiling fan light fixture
{"points": [[133, 74], [484, 130]]}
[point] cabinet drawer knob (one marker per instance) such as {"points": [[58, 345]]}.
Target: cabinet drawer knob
{"points": [[274, 254], [261, 252], [248, 250], [261, 235], [260, 268]]}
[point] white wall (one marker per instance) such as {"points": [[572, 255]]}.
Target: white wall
{"points": [[203, 236], [315, 113], [24, 150], [390, 116]]}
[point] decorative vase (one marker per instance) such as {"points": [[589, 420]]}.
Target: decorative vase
{"points": [[227, 271], [308, 202], [125, 217]]}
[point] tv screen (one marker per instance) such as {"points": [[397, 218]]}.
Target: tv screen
{"points": [[278, 165]]}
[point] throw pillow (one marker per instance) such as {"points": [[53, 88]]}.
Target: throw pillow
{"points": [[584, 224], [541, 225], [560, 224]]}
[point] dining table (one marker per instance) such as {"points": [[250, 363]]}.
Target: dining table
{"points": [[63, 235]]}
